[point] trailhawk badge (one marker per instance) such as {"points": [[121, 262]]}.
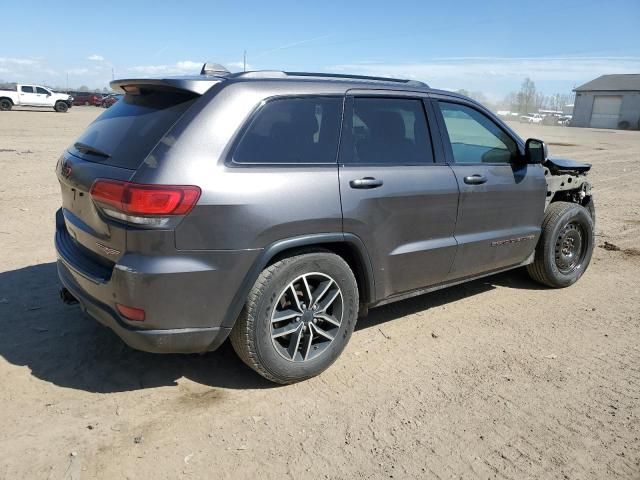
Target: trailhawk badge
{"points": [[107, 250], [499, 243]]}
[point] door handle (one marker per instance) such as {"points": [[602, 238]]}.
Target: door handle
{"points": [[475, 179], [366, 182]]}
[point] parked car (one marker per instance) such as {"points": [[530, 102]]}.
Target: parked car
{"points": [[94, 99], [531, 118], [109, 100], [565, 120], [275, 208], [34, 96], [551, 119]]}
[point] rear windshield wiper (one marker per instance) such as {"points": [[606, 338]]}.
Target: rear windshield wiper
{"points": [[84, 148]]}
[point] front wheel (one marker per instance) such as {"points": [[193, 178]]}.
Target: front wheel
{"points": [[565, 247], [61, 107], [298, 318]]}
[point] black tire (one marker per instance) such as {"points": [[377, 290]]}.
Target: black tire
{"points": [[5, 105], [565, 247], [251, 336], [591, 208], [61, 107]]}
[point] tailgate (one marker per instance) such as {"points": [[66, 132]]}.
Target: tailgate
{"points": [[99, 239]]}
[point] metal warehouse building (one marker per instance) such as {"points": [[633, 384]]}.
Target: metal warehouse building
{"points": [[609, 101]]}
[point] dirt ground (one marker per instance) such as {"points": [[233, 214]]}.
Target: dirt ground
{"points": [[498, 378]]}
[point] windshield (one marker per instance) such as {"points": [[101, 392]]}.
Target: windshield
{"points": [[127, 132]]}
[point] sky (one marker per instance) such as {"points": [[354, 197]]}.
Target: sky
{"points": [[488, 46]]}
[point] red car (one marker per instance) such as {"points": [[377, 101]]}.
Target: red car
{"points": [[87, 99], [110, 100]]}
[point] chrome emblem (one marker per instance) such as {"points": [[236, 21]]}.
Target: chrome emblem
{"points": [[499, 243], [65, 169], [107, 250]]}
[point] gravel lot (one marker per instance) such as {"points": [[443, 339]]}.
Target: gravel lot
{"points": [[498, 378]]}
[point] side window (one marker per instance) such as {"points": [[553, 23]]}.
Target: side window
{"points": [[26, 89], [474, 137], [42, 90], [390, 131], [292, 130]]}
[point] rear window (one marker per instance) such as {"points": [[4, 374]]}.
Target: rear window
{"points": [[293, 130], [127, 132]]}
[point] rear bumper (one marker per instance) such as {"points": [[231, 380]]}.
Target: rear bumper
{"points": [[186, 295], [178, 340]]}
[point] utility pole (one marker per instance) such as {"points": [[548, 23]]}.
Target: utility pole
{"points": [[67, 82], [244, 62], [112, 74]]}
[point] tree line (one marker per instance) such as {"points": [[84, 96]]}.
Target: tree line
{"points": [[526, 100], [82, 88]]}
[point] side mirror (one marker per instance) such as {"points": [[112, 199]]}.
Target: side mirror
{"points": [[535, 151]]}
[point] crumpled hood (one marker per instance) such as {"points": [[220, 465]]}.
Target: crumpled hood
{"points": [[566, 164]]}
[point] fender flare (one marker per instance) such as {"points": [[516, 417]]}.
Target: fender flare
{"points": [[318, 239]]}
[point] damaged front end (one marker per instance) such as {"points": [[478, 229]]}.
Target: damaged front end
{"points": [[567, 182]]}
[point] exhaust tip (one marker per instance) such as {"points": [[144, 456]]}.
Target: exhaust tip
{"points": [[67, 297]]}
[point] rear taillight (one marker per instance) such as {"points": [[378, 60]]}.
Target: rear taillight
{"points": [[144, 204]]}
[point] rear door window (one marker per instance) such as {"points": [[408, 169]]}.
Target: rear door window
{"points": [[388, 131], [292, 131], [127, 132], [26, 89]]}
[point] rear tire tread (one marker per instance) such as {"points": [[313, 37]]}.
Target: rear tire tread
{"points": [[242, 334]]}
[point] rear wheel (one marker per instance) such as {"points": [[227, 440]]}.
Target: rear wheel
{"points": [[565, 247], [298, 318], [61, 107], [5, 105]]}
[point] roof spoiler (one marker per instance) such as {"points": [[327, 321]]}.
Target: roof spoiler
{"points": [[210, 74], [195, 84]]}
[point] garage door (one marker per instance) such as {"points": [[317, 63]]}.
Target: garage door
{"points": [[606, 111]]}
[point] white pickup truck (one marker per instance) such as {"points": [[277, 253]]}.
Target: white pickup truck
{"points": [[34, 96], [535, 118]]}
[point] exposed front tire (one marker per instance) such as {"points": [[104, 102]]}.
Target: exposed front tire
{"points": [[565, 246], [61, 107], [591, 208], [5, 105], [298, 318]]}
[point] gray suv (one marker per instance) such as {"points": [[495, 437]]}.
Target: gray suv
{"points": [[274, 208]]}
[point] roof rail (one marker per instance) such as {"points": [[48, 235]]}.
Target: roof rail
{"points": [[341, 76], [260, 74], [357, 77]]}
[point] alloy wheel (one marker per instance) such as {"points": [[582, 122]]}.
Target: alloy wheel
{"points": [[307, 317]]}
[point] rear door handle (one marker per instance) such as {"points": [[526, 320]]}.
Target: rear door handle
{"points": [[475, 179], [366, 182]]}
